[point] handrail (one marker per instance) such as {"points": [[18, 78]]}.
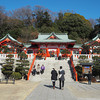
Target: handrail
{"points": [[28, 75], [74, 70]]}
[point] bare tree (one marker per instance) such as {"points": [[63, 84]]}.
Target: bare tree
{"points": [[24, 14], [2, 15], [93, 22]]}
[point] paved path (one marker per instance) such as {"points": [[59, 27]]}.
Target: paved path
{"points": [[72, 91], [45, 92]]}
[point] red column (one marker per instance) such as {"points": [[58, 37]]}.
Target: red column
{"points": [[80, 50], [71, 52], [25, 51], [58, 51], [76, 76], [48, 55]]}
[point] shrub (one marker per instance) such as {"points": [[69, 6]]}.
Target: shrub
{"points": [[16, 75]]}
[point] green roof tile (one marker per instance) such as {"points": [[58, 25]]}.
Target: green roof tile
{"points": [[10, 37], [61, 38], [94, 39]]}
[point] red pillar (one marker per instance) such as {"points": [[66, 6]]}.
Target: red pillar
{"points": [[80, 50], [76, 76], [25, 51], [71, 52], [58, 51], [48, 55]]}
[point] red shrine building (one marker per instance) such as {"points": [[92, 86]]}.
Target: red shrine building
{"points": [[50, 43], [94, 45], [53, 43], [9, 43]]}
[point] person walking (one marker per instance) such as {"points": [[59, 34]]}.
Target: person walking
{"points": [[60, 55], [61, 78], [54, 75], [38, 69], [89, 78], [42, 69], [34, 71]]}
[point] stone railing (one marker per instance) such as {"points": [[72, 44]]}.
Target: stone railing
{"points": [[4, 56], [89, 56]]}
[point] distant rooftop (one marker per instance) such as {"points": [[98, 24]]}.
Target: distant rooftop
{"points": [[9, 37], [94, 39]]}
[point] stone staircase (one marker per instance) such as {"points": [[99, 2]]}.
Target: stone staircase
{"points": [[50, 63]]}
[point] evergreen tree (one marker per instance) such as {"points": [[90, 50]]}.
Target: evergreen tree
{"points": [[75, 24], [22, 65], [96, 67], [7, 69]]}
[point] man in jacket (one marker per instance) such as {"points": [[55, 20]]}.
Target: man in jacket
{"points": [[61, 78]]}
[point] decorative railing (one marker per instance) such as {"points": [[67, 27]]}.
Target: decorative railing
{"points": [[89, 56], [4, 56], [73, 69], [28, 75]]}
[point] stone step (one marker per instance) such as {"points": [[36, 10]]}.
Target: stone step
{"points": [[49, 64]]}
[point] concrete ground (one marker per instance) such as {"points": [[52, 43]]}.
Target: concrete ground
{"points": [[18, 91], [72, 91], [83, 91], [28, 90]]}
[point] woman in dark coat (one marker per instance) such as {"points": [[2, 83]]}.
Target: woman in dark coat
{"points": [[54, 77]]}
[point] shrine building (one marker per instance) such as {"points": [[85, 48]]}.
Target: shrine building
{"points": [[12, 44], [94, 44], [53, 42]]}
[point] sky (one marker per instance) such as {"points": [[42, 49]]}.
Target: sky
{"points": [[87, 8]]}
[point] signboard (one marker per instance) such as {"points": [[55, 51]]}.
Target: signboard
{"points": [[86, 69]]}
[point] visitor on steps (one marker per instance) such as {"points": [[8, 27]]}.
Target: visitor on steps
{"points": [[54, 77], [38, 69], [89, 78], [60, 55], [34, 71], [61, 78], [42, 69]]}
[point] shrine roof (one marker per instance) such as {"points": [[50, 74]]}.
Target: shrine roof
{"points": [[94, 39], [77, 46], [10, 37], [27, 45], [57, 37]]}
